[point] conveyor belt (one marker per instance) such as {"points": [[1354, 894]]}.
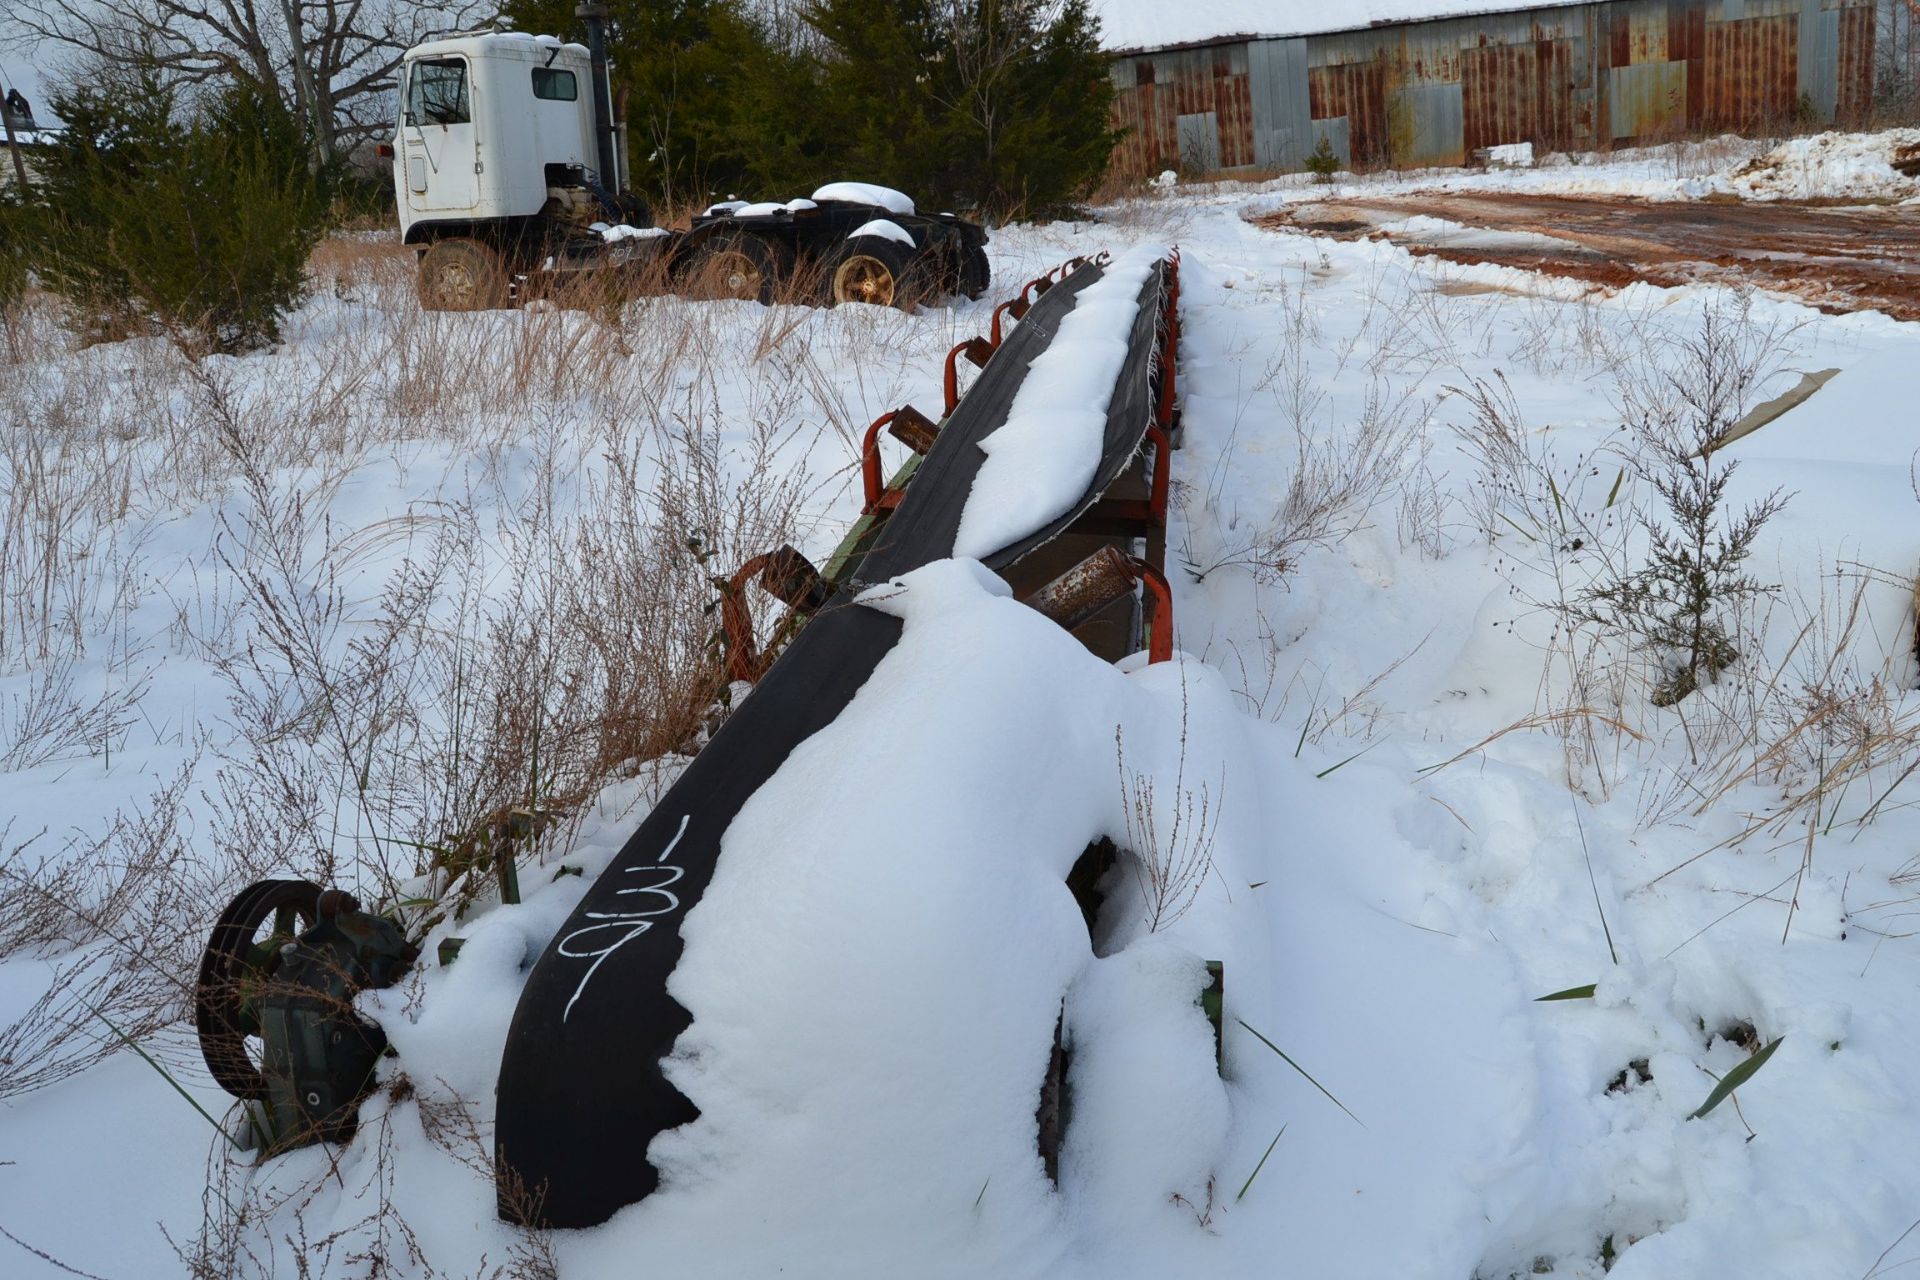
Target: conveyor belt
{"points": [[581, 1090]]}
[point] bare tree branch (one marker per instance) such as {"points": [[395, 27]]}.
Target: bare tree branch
{"points": [[333, 63]]}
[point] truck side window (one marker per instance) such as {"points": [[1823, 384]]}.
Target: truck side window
{"points": [[554, 86], [437, 92]]}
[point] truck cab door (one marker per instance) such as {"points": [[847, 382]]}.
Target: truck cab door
{"points": [[439, 155]]}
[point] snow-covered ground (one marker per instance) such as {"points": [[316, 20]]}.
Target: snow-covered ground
{"points": [[1411, 801], [1825, 166]]}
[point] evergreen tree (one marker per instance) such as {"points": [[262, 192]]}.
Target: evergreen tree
{"points": [[695, 74], [202, 224], [1322, 163], [117, 133], [876, 91], [1035, 131], [999, 105]]}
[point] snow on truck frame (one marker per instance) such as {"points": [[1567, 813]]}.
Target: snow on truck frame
{"points": [[509, 172]]}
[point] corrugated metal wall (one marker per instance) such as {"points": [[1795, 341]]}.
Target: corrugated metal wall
{"points": [[1430, 93]]}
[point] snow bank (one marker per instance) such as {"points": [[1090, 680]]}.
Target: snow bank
{"points": [[1511, 155], [1043, 458], [1826, 166], [1149, 1106], [1834, 165], [866, 193]]}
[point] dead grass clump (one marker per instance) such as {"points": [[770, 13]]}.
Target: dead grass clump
{"points": [[1169, 841], [373, 731], [1337, 481], [347, 261], [118, 918], [30, 332]]}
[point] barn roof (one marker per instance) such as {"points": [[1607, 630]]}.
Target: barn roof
{"points": [[1128, 25]]}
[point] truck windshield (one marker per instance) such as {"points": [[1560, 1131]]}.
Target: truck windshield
{"points": [[437, 92]]}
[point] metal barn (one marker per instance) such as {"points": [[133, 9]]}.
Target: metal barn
{"points": [[1431, 92]]}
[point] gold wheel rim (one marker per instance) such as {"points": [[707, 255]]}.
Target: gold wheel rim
{"points": [[863, 278], [732, 274], [456, 285]]}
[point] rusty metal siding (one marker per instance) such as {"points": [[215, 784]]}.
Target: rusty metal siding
{"points": [[1233, 107], [1427, 127], [1355, 92], [1188, 108], [1687, 45], [1133, 112], [1199, 141], [1648, 26], [1648, 102], [1753, 68], [1816, 61], [1563, 77], [1519, 93], [1896, 46]]}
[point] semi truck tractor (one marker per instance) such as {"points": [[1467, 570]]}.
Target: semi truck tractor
{"points": [[510, 175]]}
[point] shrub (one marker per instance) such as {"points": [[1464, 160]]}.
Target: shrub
{"points": [[203, 228]]}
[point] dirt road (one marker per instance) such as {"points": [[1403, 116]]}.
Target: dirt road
{"points": [[1837, 258]]}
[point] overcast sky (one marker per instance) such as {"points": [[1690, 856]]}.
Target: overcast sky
{"points": [[16, 68]]}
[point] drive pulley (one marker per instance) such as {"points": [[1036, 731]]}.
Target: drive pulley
{"points": [[274, 1007]]}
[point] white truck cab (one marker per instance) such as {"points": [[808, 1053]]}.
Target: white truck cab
{"points": [[490, 126]]}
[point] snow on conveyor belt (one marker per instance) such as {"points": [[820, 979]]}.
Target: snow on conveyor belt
{"points": [[582, 1090], [1049, 451]]}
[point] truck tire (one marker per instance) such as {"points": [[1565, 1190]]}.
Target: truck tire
{"points": [[1050, 1117], [462, 275], [976, 274], [875, 270], [748, 267]]}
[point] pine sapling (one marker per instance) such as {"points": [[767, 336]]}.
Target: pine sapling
{"points": [[1678, 603], [1322, 163]]}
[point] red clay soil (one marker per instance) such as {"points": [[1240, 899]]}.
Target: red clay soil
{"points": [[1837, 258]]}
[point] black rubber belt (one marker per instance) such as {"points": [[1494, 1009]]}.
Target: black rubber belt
{"points": [[581, 1090]]}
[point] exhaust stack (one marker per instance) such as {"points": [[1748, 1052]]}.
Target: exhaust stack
{"points": [[595, 17]]}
